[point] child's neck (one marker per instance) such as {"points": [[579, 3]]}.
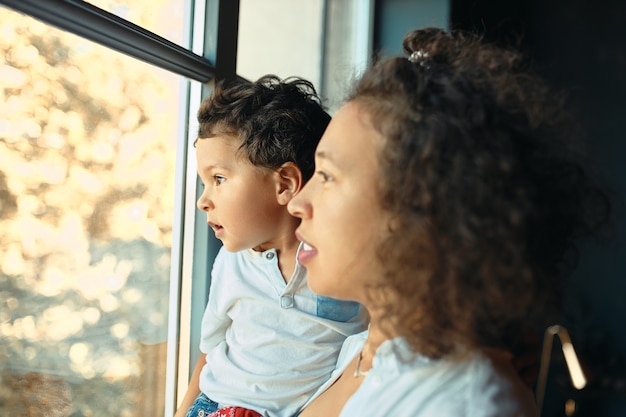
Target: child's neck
{"points": [[287, 260], [286, 249]]}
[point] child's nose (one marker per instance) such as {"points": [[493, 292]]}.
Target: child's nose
{"points": [[204, 202]]}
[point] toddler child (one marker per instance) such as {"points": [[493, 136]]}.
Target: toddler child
{"points": [[267, 341]]}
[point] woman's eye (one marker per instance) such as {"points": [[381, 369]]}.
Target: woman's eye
{"points": [[324, 176], [219, 179]]}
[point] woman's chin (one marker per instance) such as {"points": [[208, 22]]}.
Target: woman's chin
{"points": [[317, 288], [325, 291]]}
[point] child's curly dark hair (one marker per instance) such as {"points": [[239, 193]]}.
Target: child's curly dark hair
{"points": [[486, 188], [277, 120]]}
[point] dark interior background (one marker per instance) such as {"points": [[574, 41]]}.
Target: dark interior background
{"points": [[578, 46]]}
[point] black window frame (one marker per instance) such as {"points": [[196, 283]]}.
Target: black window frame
{"points": [[107, 29]]}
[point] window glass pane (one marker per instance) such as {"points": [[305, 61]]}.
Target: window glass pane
{"points": [[163, 17], [87, 159]]}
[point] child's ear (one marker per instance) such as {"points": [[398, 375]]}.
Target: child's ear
{"points": [[289, 182]]}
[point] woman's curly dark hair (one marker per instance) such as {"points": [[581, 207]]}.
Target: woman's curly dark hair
{"points": [[488, 194], [277, 120]]}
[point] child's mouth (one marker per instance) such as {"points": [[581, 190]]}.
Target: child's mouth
{"points": [[216, 228]]}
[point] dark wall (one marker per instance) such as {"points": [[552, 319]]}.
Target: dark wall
{"points": [[394, 18], [580, 46]]}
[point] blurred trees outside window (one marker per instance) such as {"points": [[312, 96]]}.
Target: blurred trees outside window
{"points": [[87, 158]]}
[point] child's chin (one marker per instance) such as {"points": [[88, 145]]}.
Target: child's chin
{"points": [[230, 247]]}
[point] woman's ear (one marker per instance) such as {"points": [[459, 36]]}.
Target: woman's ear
{"points": [[289, 182]]}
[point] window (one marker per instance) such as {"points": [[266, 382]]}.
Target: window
{"points": [[104, 260], [163, 17], [88, 142]]}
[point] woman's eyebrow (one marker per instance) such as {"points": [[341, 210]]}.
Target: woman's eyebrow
{"points": [[324, 155], [334, 160]]}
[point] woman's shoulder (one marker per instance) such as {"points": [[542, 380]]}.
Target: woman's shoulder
{"points": [[475, 385], [497, 383], [486, 385]]}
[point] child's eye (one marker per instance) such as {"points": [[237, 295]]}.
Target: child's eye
{"points": [[218, 179], [324, 176]]}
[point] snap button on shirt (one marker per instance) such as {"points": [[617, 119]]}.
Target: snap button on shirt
{"points": [[286, 301], [269, 255]]}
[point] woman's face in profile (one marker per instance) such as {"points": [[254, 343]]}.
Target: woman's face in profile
{"points": [[342, 219]]}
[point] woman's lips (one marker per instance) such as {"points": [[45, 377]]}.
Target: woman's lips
{"points": [[306, 253]]}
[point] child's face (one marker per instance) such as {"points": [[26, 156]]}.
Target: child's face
{"points": [[342, 218], [238, 197]]}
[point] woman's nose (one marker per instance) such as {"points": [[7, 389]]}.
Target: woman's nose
{"points": [[300, 206]]}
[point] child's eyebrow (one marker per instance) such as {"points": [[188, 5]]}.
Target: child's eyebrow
{"points": [[218, 167]]}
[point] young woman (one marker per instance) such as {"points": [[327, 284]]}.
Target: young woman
{"points": [[448, 200]]}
